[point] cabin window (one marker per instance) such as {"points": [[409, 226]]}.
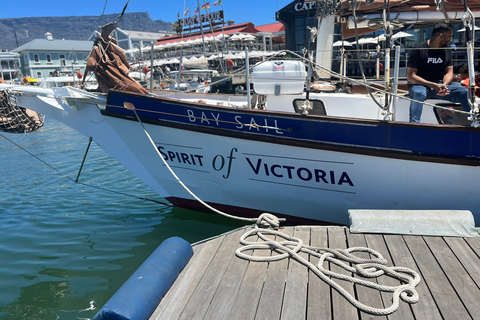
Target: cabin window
{"points": [[39, 74], [62, 60], [445, 114], [36, 58], [49, 58], [318, 107]]}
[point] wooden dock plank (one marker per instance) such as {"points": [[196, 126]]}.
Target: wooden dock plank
{"points": [[342, 309], [319, 292], [466, 255], [216, 284], [226, 292], [446, 298], [404, 311], [426, 307], [247, 299], [367, 296], [271, 300], [463, 284], [295, 298], [204, 291], [177, 297]]}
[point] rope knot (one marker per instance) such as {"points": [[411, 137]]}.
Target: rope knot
{"points": [[268, 220]]}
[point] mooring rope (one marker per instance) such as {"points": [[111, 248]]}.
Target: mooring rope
{"points": [[368, 268], [373, 268], [82, 183]]}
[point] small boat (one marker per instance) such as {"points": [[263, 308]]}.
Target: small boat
{"points": [[285, 149]]}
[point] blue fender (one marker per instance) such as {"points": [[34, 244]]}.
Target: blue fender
{"points": [[143, 291]]}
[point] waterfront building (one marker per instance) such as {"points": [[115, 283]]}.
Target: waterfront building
{"points": [[9, 65], [204, 47], [40, 58], [128, 39]]}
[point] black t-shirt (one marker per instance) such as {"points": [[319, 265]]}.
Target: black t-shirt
{"points": [[431, 63]]}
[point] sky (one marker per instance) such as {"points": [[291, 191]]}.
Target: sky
{"points": [[258, 12]]}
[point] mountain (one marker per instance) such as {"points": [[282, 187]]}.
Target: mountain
{"points": [[23, 30]]}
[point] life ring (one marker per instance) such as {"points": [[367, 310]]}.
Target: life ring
{"points": [[229, 63], [79, 75], [145, 70]]}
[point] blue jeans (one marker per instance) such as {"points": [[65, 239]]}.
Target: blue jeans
{"points": [[421, 93]]}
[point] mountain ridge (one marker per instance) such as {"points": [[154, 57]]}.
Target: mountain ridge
{"points": [[18, 31]]}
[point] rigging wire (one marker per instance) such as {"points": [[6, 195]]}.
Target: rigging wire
{"points": [[103, 13], [360, 64], [85, 184]]}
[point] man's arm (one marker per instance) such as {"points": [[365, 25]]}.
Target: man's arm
{"points": [[448, 77], [414, 78]]}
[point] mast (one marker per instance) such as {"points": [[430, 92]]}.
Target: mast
{"points": [[326, 25]]}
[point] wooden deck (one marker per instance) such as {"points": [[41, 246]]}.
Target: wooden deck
{"points": [[216, 284]]}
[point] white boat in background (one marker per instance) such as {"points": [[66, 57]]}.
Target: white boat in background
{"points": [[196, 80], [90, 82], [301, 155]]}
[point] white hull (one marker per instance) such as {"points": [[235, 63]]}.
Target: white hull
{"points": [[293, 181], [247, 176]]}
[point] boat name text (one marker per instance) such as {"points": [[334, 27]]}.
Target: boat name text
{"points": [[305, 174], [213, 119]]}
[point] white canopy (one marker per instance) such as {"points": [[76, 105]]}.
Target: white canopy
{"points": [[401, 34], [340, 43], [367, 40], [463, 29]]}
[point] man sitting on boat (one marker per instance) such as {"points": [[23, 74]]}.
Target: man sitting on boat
{"points": [[430, 72]]}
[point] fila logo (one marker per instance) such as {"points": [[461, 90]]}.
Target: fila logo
{"points": [[434, 60]]}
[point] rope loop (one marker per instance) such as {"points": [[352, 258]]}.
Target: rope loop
{"points": [[359, 269]]}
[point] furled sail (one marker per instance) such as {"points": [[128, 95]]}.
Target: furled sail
{"points": [[107, 60]]}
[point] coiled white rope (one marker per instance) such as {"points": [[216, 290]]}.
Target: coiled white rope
{"points": [[367, 268]]}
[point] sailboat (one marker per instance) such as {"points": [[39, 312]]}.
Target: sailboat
{"points": [[292, 152]]}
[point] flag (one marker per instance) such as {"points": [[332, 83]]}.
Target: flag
{"points": [[218, 3], [178, 15], [206, 5], [186, 11], [196, 11]]}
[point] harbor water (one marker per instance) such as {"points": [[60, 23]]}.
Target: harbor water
{"points": [[66, 247]]}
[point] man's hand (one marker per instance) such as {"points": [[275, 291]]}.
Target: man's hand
{"points": [[441, 89]]}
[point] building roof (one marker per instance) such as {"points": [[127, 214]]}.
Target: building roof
{"points": [[8, 55], [55, 45], [144, 35], [271, 27], [246, 27]]}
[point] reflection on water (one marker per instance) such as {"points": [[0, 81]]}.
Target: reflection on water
{"points": [[66, 248]]}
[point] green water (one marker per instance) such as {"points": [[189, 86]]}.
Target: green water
{"points": [[66, 248]]}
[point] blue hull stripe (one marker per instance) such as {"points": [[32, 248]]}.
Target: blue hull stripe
{"points": [[438, 143]]}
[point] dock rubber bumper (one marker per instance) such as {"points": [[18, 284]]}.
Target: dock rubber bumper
{"points": [[143, 291]]}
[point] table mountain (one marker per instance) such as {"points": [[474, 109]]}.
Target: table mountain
{"points": [[18, 31]]}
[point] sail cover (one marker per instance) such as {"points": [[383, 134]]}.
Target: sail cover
{"points": [[107, 60]]}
